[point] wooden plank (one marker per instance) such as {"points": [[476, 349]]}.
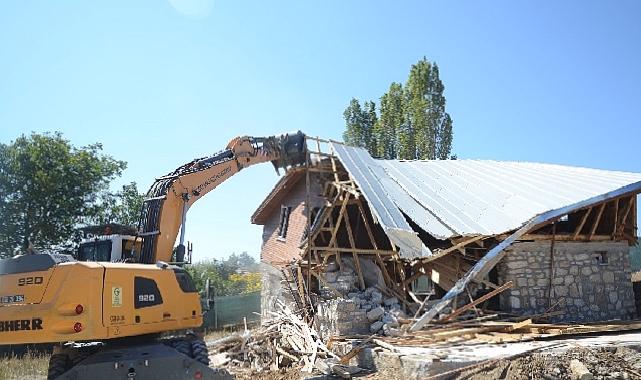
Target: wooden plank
{"points": [[357, 250], [333, 160], [625, 216], [354, 351], [519, 325], [301, 289], [454, 248], [352, 243], [583, 220], [385, 345], [489, 284], [370, 234], [565, 237], [420, 271], [596, 221], [339, 220], [616, 217], [489, 295]]}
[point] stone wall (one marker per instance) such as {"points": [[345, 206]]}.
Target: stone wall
{"points": [[340, 317], [272, 291], [355, 311], [585, 288]]}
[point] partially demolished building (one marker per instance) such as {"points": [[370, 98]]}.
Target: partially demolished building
{"points": [[365, 245]]}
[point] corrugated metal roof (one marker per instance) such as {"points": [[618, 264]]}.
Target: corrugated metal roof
{"points": [[448, 198], [473, 197], [366, 173]]}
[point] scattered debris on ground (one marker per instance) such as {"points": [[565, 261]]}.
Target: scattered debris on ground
{"points": [[283, 342], [578, 363]]}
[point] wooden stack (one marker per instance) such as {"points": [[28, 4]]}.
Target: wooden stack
{"points": [[281, 342]]}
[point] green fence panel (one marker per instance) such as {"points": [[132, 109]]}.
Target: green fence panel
{"points": [[230, 310]]}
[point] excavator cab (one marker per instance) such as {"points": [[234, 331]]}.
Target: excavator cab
{"points": [[109, 243]]}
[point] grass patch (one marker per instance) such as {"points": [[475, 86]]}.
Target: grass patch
{"points": [[29, 366]]}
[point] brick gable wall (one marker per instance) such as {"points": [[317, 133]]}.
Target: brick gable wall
{"points": [[277, 251]]}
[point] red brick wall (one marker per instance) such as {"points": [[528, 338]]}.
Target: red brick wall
{"points": [[275, 250]]}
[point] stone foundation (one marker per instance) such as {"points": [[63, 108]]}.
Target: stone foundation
{"points": [[355, 312], [272, 291], [590, 280]]}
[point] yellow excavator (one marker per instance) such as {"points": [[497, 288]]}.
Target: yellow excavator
{"points": [[131, 319]]}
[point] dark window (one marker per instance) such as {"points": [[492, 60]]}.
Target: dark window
{"points": [[146, 293], [312, 221], [423, 285], [99, 250], [284, 221], [601, 258], [185, 281]]}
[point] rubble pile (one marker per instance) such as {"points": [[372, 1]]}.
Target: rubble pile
{"points": [[355, 312], [280, 342]]}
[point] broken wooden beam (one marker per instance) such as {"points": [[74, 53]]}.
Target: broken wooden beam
{"points": [[489, 295]]}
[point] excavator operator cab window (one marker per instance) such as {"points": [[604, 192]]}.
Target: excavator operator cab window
{"points": [[98, 250], [184, 280], [130, 249]]}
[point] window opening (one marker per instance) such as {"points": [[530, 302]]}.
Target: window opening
{"points": [[284, 221]]}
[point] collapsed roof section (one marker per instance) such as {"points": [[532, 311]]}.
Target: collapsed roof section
{"points": [[369, 175], [449, 198]]}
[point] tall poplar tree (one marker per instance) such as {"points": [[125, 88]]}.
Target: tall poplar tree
{"points": [[391, 122], [354, 130], [416, 112], [439, 121], [413, 122], [370, 119]]}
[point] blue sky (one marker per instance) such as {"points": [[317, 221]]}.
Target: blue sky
{"points": [[160, 82]]}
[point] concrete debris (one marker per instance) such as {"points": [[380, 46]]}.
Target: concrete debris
{"points": [[375, 314], [391, 331], [580, 371], [376, 327], [391, 301], [390, 320]]}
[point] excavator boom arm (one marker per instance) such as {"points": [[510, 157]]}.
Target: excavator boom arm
{"points": [[164, 210]]}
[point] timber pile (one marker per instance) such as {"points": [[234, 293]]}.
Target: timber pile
{"points": [[281, 342], [490, 329]]}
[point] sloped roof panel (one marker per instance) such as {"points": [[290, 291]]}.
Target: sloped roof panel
{"points": [[448, 198], [366, 172], [473, 197]]}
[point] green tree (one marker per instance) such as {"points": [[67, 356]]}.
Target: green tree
{"points": [[48, 188], [360, 122], [391, 122], [354, 129], [370, 119], [439, 121], [413, 122], [425, 112], [416, 137], [122, 207], [226, 275]]}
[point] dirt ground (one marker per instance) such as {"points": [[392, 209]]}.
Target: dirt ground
{"points": [[283, 374], [603, 363]]}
